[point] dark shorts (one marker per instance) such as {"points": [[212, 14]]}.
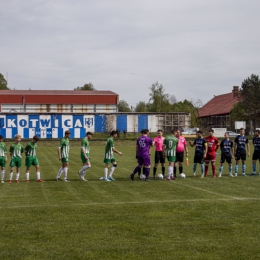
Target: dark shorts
{"points": [[144, 160], [256, 156], [240, 155], [226, 157], [179, 157], [158, 157], [199, 158]]}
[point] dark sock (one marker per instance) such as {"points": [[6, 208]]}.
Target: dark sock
{"points": [[163, 171], [147, 172], [174, 171], [154, 171], [180, 169], [137, 169]]}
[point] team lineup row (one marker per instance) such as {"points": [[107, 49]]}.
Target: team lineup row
{"points": [[171, 147]]}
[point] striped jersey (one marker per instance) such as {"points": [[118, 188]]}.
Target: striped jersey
{"points": [[2, 149], [109, 148], [30, 149], [64, 147], [171, 143], [85, 146], [16, 150]]}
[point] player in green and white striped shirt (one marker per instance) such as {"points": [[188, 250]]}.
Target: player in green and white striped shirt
{"points": [[84, 154], [63, 153], [170, 143], [3, 157], [16, 151], [31, 158], [109, 156]]}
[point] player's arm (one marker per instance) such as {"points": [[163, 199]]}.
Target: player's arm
{"points": [[26, 149], [235, 144], [233, 151], [186, 149], [83, 150], [217, 144], [192, 144], [5, 154], [206, 149], [248, 148], [115, 150]]}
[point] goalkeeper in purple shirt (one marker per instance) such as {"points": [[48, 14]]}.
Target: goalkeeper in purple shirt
{"points": [[143, 145]]}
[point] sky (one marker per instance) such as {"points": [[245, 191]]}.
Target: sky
{"points": [[196, 49]]}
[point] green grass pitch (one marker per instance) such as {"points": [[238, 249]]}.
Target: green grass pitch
{"points": [[190, 218]]}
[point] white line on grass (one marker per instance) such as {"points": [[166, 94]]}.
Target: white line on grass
{"points": [[126, 202]]}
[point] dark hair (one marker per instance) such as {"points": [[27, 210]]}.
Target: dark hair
{"points": [[227, 133], [242, 128], [36, 138], [160, 130], [89, 133], [1, 137], [257, 131], [211, 130], [200, 132], [113, 132], [145, 131]]}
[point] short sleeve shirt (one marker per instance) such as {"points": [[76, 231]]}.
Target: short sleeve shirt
{"points": [[85, 145], [143, 143], [65, 147], [181, 144], [16, 150], [241, 142], [31, 149], [200, 145]]}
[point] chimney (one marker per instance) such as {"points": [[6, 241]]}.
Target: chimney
{"points": [[235, 91]]}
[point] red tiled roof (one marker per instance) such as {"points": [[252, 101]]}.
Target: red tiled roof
{"points": [[56, 92], [219, 105]]}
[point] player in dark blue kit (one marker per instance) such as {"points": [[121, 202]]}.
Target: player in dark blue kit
{"points": [[227, 153], [201, 149], [241, 144], [256, 155]]}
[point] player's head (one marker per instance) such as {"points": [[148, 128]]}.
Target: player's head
{"points": [[199, 133], [35, 139], [1, 138], [257, 132], [178, 133], [242, 131], [89, 135], [18, 138], [159, 132], [226, 135], [145, 132], [113, 133], [67, 133], [211, 132]]}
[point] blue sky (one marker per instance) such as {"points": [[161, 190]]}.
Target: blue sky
{"points": [[195, 49]]}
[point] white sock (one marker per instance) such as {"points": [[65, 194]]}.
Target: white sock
{"points": [[11, 176], [3, 175], [111, 171], [17, 176], [27, 176], [85, 167], [105, 173], [65, 173], [84, 174], [60, 172], [169, 171], [38, 175]]}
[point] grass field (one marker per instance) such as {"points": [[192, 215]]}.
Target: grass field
{"points": [[188, 218]]}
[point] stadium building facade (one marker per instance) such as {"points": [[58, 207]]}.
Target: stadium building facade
{"points": [[49, 114]]}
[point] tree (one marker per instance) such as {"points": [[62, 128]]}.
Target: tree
{"points": [[159, 101], [141, 107], [250, 95], [123, 106], [3, 82], [88, 86], [189, 107], [238, 113]]}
